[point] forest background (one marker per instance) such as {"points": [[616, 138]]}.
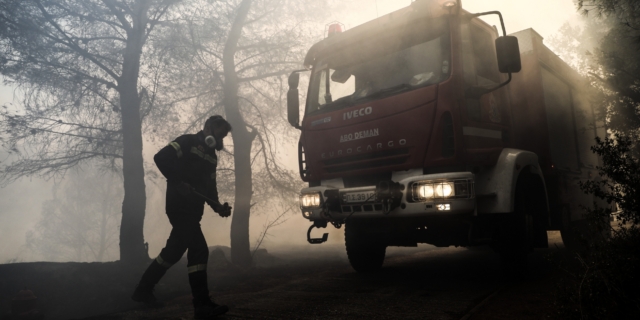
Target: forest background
{"points": [[29, 204]]}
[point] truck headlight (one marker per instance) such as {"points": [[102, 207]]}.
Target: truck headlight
{"points": [[310, 200], [433, 190], [444, 190], [430, 190], [425, 191]]}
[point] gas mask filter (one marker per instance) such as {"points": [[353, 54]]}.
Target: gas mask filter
{"points": [[210, 141]]}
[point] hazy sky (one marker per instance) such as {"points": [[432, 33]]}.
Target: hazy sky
{"points": [[6, 95], [20, 204], [545, 16]]}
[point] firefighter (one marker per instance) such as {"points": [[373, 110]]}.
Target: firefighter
{"points": [[189, 164]]}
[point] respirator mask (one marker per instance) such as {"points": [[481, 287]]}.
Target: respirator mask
{"points": [[210, 141]]}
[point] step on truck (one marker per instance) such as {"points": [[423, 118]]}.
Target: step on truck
{"points": [[427, 126]]}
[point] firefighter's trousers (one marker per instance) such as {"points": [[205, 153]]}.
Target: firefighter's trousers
{"points": [[185, 235]]}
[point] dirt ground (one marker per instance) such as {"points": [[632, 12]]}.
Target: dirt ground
{"points": [[314, 283]]}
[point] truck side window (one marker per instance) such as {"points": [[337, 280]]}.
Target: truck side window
{"points": [[486, 60], [469, 69], [480, 63]]}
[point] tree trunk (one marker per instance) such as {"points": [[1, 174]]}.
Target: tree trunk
{"points": [[103, 232], [132, 247], [242, 141]]}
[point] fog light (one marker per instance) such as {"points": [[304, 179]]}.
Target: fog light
{"points": [[310, 200], [443, 207]]}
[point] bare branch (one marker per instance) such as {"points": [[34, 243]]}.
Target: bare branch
{"points": [[119, 14], [264, 76], [70, 43]]}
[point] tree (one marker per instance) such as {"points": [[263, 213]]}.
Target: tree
{"points": [[617, 55], [79, 65], [605, 285], [238, 54], [80, 222]]}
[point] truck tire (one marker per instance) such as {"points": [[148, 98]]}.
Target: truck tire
{"points": [[515, 236], [364, 253]]}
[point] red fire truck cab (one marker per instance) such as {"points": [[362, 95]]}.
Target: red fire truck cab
{"points": [[425, 126]]}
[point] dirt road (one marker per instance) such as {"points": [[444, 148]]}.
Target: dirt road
{"points": [[318, 283]]}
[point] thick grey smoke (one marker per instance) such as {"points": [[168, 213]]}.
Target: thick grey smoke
{"points": [[21, 202]]}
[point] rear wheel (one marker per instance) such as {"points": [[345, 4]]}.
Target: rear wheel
{"points": [[364, 253]]}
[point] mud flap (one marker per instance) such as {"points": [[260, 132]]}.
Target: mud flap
{"points": [[316, 240]]}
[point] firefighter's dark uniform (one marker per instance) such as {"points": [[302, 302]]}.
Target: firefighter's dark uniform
{"points": [[186, 159]]}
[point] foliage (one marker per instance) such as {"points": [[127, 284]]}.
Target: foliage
{"points": [[232, 58], [87, 84], [604, 283], [617, 57], [273, 43], [67, 58], [578, 45], [621, 178]]}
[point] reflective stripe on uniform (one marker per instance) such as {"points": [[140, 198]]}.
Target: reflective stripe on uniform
{"points": [[163, 263], [210, 159], [197, 267], [176, 146], [201, 154]]}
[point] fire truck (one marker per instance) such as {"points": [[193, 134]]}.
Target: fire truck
{"points": [[427, 126]]}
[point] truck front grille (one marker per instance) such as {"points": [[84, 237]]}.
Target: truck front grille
{"points": [[361, 208], [367, 161]]}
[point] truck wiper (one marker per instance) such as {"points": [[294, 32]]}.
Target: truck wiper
{"points": [[338, 103], [388, 91], [347, 100]]}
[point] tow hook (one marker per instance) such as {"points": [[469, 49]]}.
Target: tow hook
{"points": [[317, 224]]}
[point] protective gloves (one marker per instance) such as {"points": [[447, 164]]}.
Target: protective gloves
{"points": [[224, 210]]}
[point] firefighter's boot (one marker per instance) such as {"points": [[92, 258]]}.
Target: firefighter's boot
{"points": [[203, 307], [144, 290], [207, 309]]}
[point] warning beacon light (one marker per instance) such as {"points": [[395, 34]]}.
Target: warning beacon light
{"points": [[448, 3], [334, 28]]}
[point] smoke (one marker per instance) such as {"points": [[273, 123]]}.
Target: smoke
{"points": [[21, 201]]}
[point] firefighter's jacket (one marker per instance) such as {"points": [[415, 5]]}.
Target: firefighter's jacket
{"points": [[188, 159]]}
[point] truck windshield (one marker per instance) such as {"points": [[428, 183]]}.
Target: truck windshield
{"points": [[381, 66]]}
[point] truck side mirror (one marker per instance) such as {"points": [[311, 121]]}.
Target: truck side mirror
{"points": [[508, 53], [293, 100]]}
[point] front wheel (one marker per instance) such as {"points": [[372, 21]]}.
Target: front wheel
{"points": [[515, 241], [365, 255]]}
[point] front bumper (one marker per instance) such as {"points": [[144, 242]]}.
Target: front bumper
{"points": [[408, 208]]}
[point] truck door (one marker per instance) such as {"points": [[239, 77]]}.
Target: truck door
{"points": [[485, 120]]}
